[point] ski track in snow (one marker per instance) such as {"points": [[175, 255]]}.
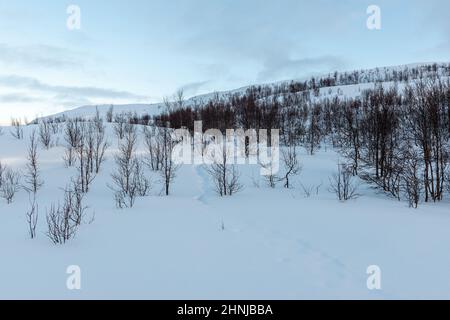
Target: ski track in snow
{"points": [[204, 183], [324, 263]]}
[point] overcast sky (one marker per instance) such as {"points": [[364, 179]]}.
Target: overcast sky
{"points": [[142, 50]]}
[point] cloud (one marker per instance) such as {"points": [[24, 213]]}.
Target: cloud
{"points": [[294, 68], [26, 96], [433, 21], [193, 88], [40, 56], [28, 83], [18, 98], [267, 41]]}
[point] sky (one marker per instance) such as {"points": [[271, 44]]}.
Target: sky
{"points": [[140, 51]]}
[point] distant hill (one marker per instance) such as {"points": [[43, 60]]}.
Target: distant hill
{"points": [[341, 84]]}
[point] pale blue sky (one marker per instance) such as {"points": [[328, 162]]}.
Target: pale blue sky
{"points": [[142, 50]]}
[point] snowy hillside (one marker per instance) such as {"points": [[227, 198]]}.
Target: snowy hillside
{"points": [[260, 244], [360, 80], [286, 235]]}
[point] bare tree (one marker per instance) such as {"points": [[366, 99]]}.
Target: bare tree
{"points": [[343, 185], [425, 114], [45, 133], [54, 125], [74, 199], [124, 159], [412, 183], [448, 180], [314, 134], [139, 180], [139, 186], [61, 227], [225, 175], [168, 166], [226, 178], [291, 164], [110, 114], [17, 130], [85, 156], [63, 221], [179, 99], [10, 184], [271, 169], [154, 148], [89, 144], [32, 175], [2, 171], [85, 146], [32, 216], [72, 137], [307, 190], [120, 120], [129, 180], [100, 142]]}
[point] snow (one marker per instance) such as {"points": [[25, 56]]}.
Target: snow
{"points": [[340, 91], [276, 243]]}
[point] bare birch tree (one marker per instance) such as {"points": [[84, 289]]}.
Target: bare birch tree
{"points": [[32, 175]]}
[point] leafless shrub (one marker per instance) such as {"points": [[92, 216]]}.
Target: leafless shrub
{"points": [[2, 171], [72, 137], [32, 216], [17, 130], [120, 121], [110, 114], [129, 180], [10, 184], [343, 185], [318, 188], [63, 221], [45, 133], [90, 153], [125, 160], [100, 142], [271, 168], [82, 153], [448, 181], [139, 180], [154, 148], [225, 176], [291, 164], [129, 127], [61, 228], [54, 125], [32, 175], [307, 190], [174, 103], [412, 184], [168, 166], [138, 186], [68, 157], [73, 199]]}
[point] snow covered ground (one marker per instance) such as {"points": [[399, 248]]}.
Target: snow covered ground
{"points": [[259, 244], [366, 81]]}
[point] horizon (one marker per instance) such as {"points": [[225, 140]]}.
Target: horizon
{"points": [[200, 47], [25, 119]]}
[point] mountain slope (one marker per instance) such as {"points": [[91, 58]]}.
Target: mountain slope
{"points": [[350, 84]]}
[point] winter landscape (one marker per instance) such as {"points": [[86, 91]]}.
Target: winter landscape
{"points": [[324, 185]]}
